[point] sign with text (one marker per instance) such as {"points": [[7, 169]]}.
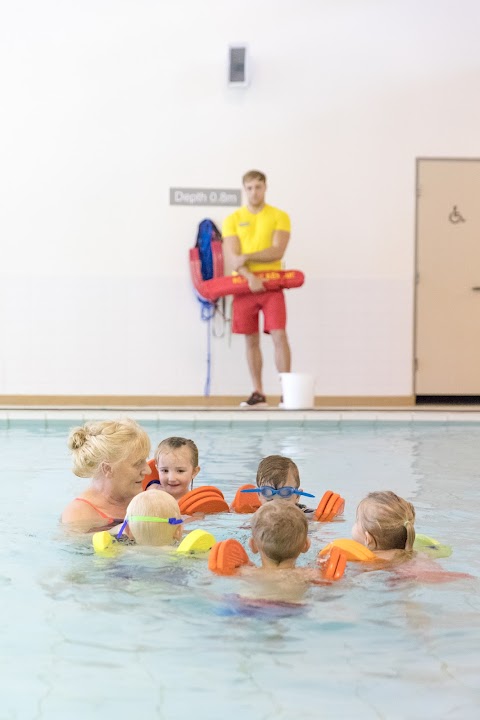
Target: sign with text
{"points": [[205, 196]]}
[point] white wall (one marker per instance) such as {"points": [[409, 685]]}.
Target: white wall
{"points": [[108, 103]]}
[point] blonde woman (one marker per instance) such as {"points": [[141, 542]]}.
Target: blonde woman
{"points": [[114, 455]]}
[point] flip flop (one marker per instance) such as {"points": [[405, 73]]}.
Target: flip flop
{"points": [[226, 557], [197, 541], [245, 502], [336, 564], [352, 550]]}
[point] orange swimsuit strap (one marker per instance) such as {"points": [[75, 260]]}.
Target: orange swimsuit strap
{"points": [[100, 512]]}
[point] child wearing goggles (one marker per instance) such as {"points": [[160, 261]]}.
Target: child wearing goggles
{"points": [[153, 518], [278, 478]]}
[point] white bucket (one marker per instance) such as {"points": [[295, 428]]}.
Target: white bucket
{"points": [[298, 390]]}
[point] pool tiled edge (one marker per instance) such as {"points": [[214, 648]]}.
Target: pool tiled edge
{"points": [[241, 416]]}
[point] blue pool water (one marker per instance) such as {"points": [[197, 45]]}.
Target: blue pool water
{"points": [[153, 636]]}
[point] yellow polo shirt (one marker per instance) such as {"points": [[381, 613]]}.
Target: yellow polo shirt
{"points": [[255, 232]]}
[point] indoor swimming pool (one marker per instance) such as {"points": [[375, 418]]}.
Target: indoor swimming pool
{"points": [[151, 635]]}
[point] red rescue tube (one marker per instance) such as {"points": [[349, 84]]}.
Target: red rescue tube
{"points": [[221, 285], [196, 266], [238, 285]]}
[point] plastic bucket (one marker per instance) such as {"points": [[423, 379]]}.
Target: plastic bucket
{"points": [[298, 390]]}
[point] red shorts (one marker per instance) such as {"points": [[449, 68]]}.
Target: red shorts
{"points": [[246, 308]]}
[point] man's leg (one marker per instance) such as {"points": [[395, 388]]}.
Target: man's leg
{"points": [[282, 350], [275, 313], [254, 359]]}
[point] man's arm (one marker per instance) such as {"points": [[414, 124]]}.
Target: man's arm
{"points": [[231, 251], [234, 261], [277, 250]]}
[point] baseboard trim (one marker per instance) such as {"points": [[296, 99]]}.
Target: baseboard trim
{"points": [[167, 401]]}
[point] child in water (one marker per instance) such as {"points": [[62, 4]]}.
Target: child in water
{"points": [[154, 518], [385, 524], [279, 536], [176, 459], [279, 473]]}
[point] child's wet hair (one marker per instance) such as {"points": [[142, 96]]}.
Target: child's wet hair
{"points": [[280, 531], [389, 519], [175, 443], [277, 471]]}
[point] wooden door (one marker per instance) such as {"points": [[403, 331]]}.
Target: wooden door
{"points": [[447, 323]]}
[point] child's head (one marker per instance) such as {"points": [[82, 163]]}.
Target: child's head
{"points": [[277, 471], [279, 532], [142, 513], [385, 522], [176, 459]]}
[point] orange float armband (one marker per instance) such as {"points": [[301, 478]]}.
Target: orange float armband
{"points": [[352, 550], [152, 478], [204, 499], [335, 565], [329, 507], [245, 502], [226, 557]]}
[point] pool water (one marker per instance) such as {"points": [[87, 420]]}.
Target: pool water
{"points": [[151, 635]]}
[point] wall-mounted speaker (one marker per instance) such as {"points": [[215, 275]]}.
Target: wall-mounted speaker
{"points": [[238, 66]]}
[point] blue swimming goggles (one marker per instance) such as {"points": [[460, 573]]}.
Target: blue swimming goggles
{"points": [[146, 518], [285, 492]]}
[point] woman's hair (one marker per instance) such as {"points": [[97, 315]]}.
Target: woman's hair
{"points": [[153, 503], [105, 441], [277, 471], [389, 519], [280, 531], [174, 443], [254, 175]]}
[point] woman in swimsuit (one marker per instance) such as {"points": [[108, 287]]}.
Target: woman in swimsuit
{"points": [[114, 455]]}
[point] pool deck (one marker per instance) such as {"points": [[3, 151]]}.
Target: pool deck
{"points": [[417, 413]]}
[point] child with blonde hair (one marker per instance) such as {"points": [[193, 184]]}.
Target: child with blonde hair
{"points": [[385, 524], [153, 518], [175, 467]]}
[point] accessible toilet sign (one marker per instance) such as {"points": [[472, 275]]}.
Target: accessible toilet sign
{"points": [[205, 196]]}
